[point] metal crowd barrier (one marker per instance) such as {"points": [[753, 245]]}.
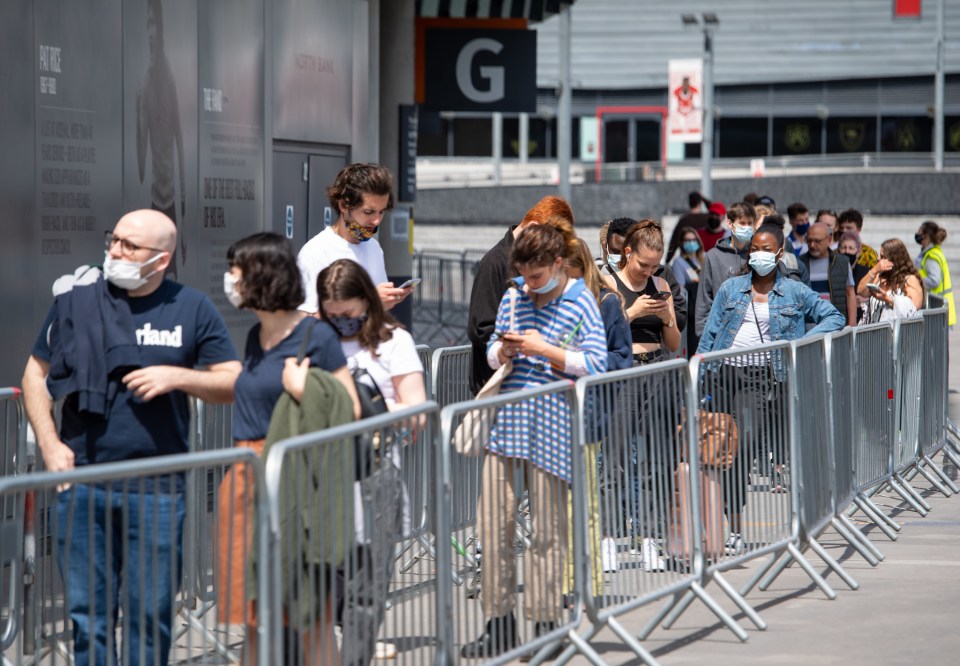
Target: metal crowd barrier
{"points": [[333, 540], [639, 514], [12, 510], [140, 505], [533, 535]]}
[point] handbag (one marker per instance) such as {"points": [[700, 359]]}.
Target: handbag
{"points": [[474, 430], [718, 439]]}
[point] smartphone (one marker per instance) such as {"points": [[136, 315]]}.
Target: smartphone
{"points": [[661, 296], [410, 283], [874, 288]]}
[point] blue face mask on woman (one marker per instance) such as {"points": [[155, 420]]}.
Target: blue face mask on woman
{"points": [[763, 262], [691, 246], [548, 287]]}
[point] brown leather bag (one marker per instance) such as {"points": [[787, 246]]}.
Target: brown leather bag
{"points": [[718, 439]]}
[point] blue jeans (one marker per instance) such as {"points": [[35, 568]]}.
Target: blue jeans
{"points": [[120, 549]]}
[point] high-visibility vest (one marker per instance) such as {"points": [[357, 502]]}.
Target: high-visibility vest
{"points": [[945, 288]]}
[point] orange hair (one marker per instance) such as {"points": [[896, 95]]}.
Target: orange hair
{"points": [[547, 207]]}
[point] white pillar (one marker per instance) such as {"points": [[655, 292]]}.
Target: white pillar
{"points": [[564, 124]]}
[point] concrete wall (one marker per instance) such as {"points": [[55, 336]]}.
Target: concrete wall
{"points": [[922, 194]]}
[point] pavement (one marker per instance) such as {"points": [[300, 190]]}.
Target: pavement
{"points": [[904, 612]]}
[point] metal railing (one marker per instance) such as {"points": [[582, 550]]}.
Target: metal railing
{"points": [[636, 483]]}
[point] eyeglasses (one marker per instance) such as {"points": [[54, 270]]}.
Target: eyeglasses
{"points": [[126, 247]]}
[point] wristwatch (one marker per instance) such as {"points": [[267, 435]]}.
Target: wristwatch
{"points": [[669, 324]]}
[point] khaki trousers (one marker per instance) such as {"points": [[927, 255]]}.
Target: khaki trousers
{"points": [[502, 485], [591, 452]]}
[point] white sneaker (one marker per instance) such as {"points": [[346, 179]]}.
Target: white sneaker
{"points": [[608, 554], [650, 558], [734, 544], [384, 650]]}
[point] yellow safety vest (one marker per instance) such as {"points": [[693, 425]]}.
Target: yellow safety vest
{"points": [[945, 288]]}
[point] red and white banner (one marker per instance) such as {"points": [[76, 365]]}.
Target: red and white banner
{"points": [[685, 100]]}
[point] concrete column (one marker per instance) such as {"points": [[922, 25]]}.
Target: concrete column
{"points": [[564, 123], [497, 141], [524, 137], [396, 65]]}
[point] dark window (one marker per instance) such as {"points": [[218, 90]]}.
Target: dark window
{"points": [[692, 151], [540, 137], [510, 146], [742, 137], [851, 135], [472, 137], [431, 134], [796, 136], [910, 134], [615, 141], [648, 141], [951, 142]]}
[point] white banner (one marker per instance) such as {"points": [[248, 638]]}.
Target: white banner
{"points": [[685, 100]]}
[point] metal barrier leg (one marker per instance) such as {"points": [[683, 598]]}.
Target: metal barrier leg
{"points": [[759, 574], [192, 620], [724, 617], [677, 610], [948, 482], [857, 541], [833, 564], [741, 603], [887, 525], [951, 454], [909, 495], [933, 478], [631, 642], [775, 572], [683, 599], [808, 568]]}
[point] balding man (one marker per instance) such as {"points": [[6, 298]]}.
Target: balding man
{"points": [[124, 350], [830, 272]]}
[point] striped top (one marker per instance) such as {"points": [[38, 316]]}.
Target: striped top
{"points": [[538, 429]]}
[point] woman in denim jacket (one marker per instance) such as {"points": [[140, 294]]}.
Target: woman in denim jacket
{"points": [[758, 307]]}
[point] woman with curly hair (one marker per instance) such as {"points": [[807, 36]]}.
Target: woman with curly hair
{"points": [[893, 285]]}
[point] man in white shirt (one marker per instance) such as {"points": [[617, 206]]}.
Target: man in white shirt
{"points": [[361, 195]]}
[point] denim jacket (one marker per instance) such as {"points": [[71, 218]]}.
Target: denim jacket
{"points": [[791, 304]]}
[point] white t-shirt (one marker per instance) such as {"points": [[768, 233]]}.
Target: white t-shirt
{"points": [[324, 249], [749, 336], [396, 357]]}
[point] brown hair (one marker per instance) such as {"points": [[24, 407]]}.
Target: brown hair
{"points": [[345, 279], [894, 250], [690, 230], [934, 232], [355, 180], [582, 260], [548, 207], [646, 234], [742, 209], [538, 245], [270, 279]]}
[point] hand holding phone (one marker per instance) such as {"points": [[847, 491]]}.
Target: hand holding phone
{"points": [[661, 296], [874, 288], [412, 282]]}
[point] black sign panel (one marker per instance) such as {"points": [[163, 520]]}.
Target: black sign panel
{"points": [[480, 70]]}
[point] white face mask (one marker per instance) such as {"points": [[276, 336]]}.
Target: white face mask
{"points": [[126, 274], [230, 289]]}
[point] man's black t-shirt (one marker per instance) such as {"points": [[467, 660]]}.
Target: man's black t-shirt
{"points": [[175, 325]]}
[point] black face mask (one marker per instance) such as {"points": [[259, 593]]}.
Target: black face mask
{"points": [[918, 238], [713, 222], [851, 255]]}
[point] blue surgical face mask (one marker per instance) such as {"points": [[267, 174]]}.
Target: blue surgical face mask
{"points": [[691, 246], [548, 287], [763, 262], [742, 234], [613, 261], [347, 327]]}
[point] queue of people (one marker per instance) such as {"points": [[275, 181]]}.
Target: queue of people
{"points": [[539, 305]]}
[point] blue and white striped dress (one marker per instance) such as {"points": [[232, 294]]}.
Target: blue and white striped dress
{"points": [[538, 429]]}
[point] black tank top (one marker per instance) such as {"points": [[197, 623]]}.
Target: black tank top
{"points": [[647, 328]]}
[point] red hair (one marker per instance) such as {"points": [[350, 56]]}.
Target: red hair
{"points": [[547, 207]]}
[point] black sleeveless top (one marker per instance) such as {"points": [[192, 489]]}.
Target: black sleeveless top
{"points": [[647, 328]]}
